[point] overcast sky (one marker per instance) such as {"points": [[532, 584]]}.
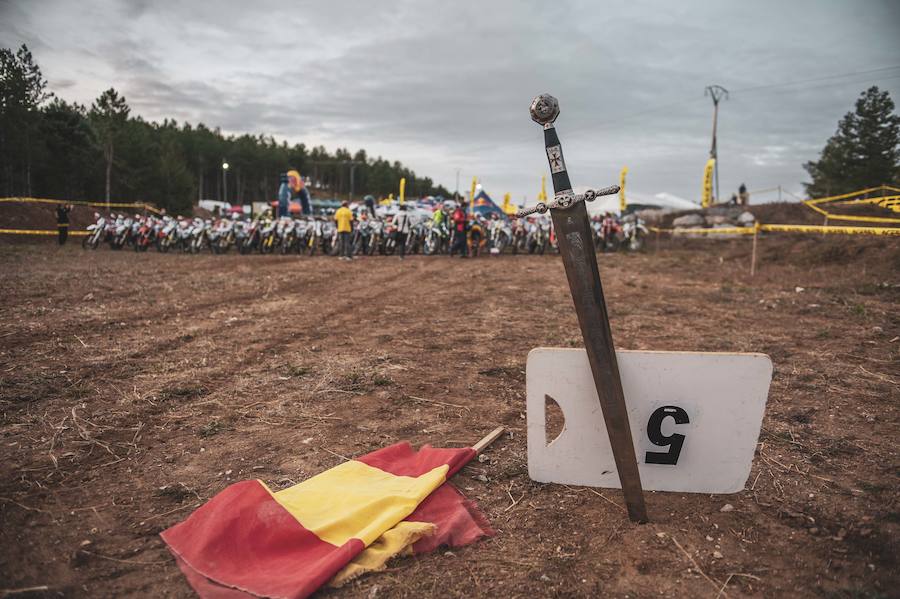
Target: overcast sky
{"points": [[446, 85]]}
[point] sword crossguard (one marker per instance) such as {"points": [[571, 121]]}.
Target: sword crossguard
{"points": [[566, 199]]}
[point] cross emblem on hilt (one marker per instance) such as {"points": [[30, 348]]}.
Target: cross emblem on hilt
{"points": [[576, 247], [544, 110]]}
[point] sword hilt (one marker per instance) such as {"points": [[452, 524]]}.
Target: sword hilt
{"points": [[544, 110]]}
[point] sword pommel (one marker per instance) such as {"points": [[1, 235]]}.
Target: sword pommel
{"points": [[544, 109]]}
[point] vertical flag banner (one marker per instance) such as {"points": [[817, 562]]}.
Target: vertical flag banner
{"points": [[472, 193], [542, 195], [622, 200], [706, 198], [403, 190], [252, 541]]}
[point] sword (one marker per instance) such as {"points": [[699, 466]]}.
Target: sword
{"points": [[576, 247]]}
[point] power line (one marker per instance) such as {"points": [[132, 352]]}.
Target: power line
{"points": [[612, 123], [814, 79]]}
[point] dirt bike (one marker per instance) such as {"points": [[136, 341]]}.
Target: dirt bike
{"points": [[611, 234], [376, 239], [436, 239], [248, 237], [499, 235], [634, 232], [313, 236], [166, 234], [267, 238], [145, 234], [539, 238], [96, 233], [519, 237]]}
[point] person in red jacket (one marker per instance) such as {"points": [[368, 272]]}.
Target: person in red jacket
{"points": [[460, 220]]}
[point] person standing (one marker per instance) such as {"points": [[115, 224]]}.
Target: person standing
{"points": [[344, 219], [459, 231], [744, 195], [62, 222], [401, 223]]}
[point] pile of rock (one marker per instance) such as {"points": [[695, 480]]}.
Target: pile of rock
{"points": [[716, 217]]}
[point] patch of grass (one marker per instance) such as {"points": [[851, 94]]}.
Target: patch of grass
{"points": [[823, 334], [858, 310], [182, 392], [298, 371], [352, 381], [178, 492], [855, 593], [213, 427], [872, 487], [382, 381]]}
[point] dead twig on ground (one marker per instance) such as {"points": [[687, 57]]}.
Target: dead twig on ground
{"points": [[123, 561], [716, 584], [439, 403], [343, 457], [25, 507], [732, 575], [37, 589], [178, 509], [514, 501]]}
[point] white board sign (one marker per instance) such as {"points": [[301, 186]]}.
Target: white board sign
{"points": [[695, 418]]}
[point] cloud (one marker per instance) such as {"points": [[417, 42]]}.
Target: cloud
{"points": [[442, 86]]}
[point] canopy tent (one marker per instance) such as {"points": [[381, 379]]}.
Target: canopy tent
{"points": [[483, 204]]}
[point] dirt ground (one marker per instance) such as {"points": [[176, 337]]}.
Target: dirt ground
{"points": [[134, 387]]}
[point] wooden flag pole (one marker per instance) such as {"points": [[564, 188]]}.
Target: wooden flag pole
{"points": [[488, 439], [573, 232]]}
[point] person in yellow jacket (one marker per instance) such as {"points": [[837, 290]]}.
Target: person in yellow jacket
{"points": [[344, 219]]}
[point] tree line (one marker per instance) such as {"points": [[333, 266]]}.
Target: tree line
{"points": [[52, 148], [864, 151]]}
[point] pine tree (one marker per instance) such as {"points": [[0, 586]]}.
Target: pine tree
{"points": [[864, 152], [109, 113]]}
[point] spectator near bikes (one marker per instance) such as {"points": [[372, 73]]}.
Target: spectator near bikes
{"points": [[743, 195], [459, 231], [62, 221], [402, 224], [370, 205], [344, 219], [477, 233]]}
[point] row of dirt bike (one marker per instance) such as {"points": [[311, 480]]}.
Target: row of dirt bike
{"points": [[370, 236]]}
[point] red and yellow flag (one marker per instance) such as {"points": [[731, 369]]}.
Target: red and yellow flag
{"points": [[251, 540]]}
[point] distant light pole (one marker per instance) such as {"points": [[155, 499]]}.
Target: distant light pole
{"points": [[716, 92], [456, 193], [225, 179]]}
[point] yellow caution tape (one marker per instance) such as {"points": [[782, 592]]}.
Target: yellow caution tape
{"points": [[847, 195], [891, 231], [136, 205], [828, 229], [37, 232]]}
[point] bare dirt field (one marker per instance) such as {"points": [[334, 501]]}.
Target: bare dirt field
{"points": [[134, 387]]}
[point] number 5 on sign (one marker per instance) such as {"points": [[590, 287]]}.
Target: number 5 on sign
{"points": [[695, 418]]}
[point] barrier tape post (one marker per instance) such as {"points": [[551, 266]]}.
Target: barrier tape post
{"points": [[753, 253]]}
